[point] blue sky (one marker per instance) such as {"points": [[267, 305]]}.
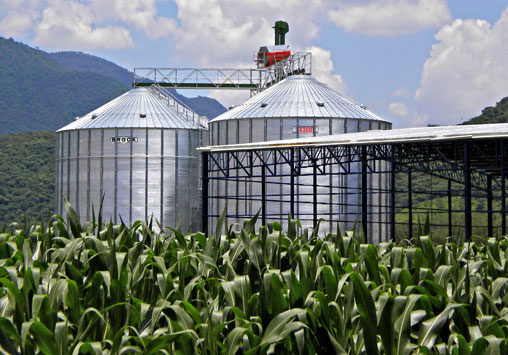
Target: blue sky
{"points": [[413, 62]]}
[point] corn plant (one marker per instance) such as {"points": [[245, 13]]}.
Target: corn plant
{"points": [[94, 288]]}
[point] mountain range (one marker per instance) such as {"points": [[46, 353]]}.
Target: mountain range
{"points": [[45, 91]]}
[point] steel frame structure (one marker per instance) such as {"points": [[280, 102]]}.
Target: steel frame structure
{"points": [[476, 166], [254, 79]]}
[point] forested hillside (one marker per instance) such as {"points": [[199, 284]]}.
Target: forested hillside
{"points": [[27, 176], [42, 91], [496, 114], [45, 91], [78, 61], [38, 94]]}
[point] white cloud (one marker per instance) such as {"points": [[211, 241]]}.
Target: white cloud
{"points": [[10, 4], [208, 32], [227, 32], [70, 25], [398, 109], [467, 70], [221, 33], [389, 17], [19, 18], [141, 14], [402, 91], [15, 24], [322, 68]]}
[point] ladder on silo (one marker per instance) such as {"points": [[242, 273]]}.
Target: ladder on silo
{"points": [[171, 100]]}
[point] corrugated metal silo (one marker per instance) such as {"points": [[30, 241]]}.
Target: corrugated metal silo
{"points": [[298, 106], [139, 151]]}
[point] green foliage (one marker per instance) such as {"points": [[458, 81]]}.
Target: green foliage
{"points": [[496, 114], [77, 61], [424, 202], [42, 91], [27, 176], [38, 94], [83, 62], [103, 288]]}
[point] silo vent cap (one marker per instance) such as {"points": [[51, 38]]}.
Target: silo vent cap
{"points": [[77, 118], [363, 106], [320, 103], [231, 107], [264, 104], [142, 115], [94, 115]]}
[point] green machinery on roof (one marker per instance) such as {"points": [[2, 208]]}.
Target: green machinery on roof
{"points": [[281, 28]]}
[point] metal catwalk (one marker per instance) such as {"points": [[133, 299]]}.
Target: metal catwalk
{"points": [[459, 182]]}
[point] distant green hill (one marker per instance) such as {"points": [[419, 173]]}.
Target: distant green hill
{"points": [[27, 176], [78, 61], [496, 114], [38, 94], [45, 91], [42, 91]]}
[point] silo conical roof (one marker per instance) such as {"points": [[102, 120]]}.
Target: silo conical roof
{"points": [[299, 96], [138, 108]]}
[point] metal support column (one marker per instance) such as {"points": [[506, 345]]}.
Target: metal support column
{"points": [[364, 191], [292, 184], [410, 202], [392, 193], [314, 194], [450, 228], [467, 192], [263, 195], [503, 191], [489, 206], [204, 192]]}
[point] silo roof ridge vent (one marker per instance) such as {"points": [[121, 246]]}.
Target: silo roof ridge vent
{"points": [[264, 104], [320, 103]]}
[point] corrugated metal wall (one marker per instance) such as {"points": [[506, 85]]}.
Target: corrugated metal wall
{"points": [[156, 175], [332, 199]]}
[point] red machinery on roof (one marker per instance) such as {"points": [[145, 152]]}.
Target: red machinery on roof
{"points": [[267, 56]]}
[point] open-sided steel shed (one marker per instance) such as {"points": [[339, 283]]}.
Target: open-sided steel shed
{"points": [[467, 162]]}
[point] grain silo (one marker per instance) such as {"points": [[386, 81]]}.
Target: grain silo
{"points": [[298, 106], [139, 152]]}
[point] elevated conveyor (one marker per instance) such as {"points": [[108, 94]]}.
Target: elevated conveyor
{"points": [[254, 79]]}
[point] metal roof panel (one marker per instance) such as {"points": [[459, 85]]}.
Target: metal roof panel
{"points": [[298, 96], [125, 112], [402, 135]]}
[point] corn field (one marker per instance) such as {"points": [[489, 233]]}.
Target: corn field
{"points": [[99, 288]]}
